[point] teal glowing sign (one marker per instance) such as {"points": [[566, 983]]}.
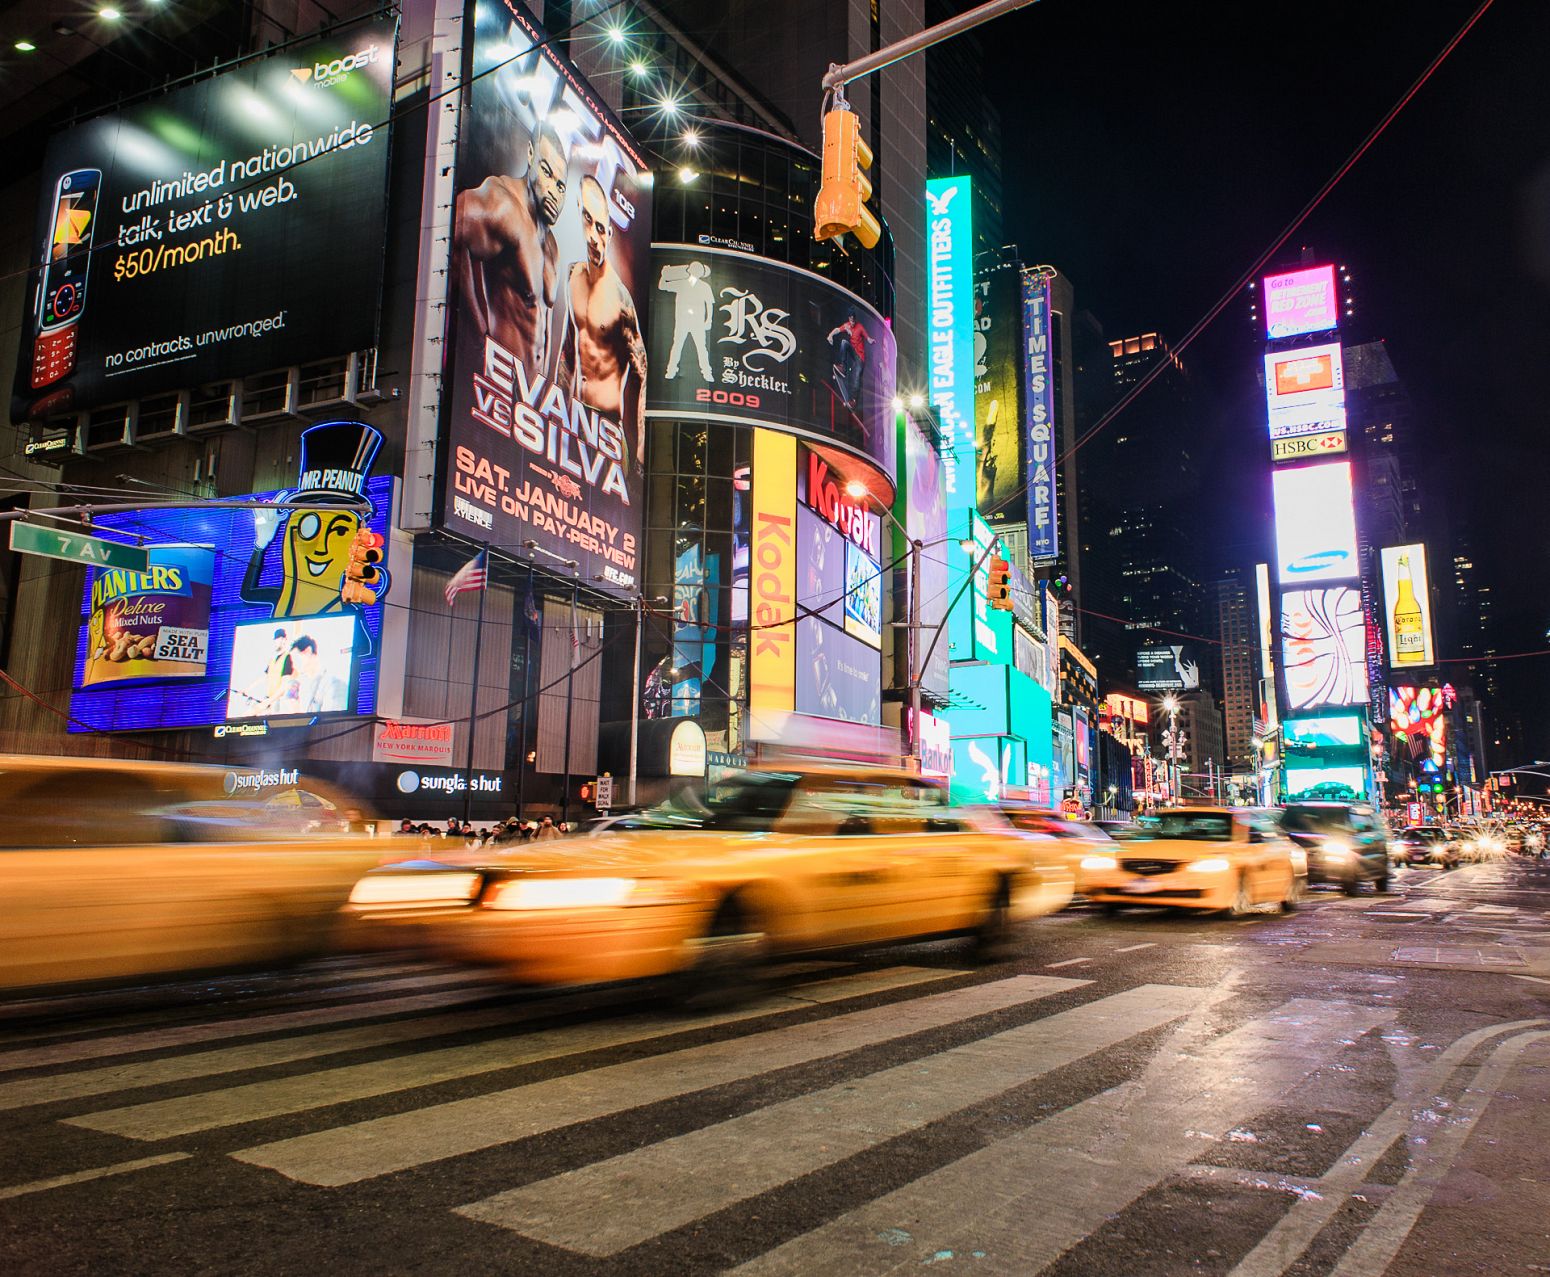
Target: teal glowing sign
{"points": [[950, 330]]}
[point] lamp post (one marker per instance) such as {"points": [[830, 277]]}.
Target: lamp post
{"points": [[855, 488], [1174, 740]]}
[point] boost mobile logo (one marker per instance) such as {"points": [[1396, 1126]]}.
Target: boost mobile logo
{"points": [[327, 73]]}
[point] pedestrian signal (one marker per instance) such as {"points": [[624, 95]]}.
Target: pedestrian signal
{"points": [[362, 576], [841, 203], [999, 591]]}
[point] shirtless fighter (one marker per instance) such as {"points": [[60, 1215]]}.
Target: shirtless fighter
{"points": [[602, 357], [506, 252]]}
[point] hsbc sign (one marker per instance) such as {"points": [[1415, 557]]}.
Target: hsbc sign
{"points": [[1330, 443]]}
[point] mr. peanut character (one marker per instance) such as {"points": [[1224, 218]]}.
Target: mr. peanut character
{"points": [[336, 459]]}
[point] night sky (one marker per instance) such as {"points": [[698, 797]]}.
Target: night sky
{"points": [[1154, 151]]}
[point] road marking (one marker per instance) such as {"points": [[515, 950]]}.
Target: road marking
{"points": [[184, 1115], [1379, 1241], [1025, 1200], [247, 1026], [1294, 1232], [1495, 909], [349, 1154], [1131, 948], [1395, 913], [81, 1177], [1069, 962], [676, 1181]]}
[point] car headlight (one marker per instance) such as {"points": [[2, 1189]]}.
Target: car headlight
{"points": [[1337, 848], [415, 888], [1213, 866], [561, 893], [1099, 862], [1299, 860]]}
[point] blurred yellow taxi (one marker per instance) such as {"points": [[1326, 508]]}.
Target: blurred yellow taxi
{"points": [[116, 870], [1213, 858], [1082, 842], [783, 862]]}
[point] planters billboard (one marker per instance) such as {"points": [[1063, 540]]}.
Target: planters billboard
{"points": [[545, 438], [239, 614], [743, 339], [228, 227]]}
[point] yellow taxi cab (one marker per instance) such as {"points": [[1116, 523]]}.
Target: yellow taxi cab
{"points": [[114, 870], [1080, 840], [783, 862], [1234, 859]]}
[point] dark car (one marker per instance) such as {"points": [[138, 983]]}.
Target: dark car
{"points": [[1345, 842], [1429, 845]]}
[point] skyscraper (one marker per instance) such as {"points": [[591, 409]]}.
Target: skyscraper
{"points": [[1238, 630]]}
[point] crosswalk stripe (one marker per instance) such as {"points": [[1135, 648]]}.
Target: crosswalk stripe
{"points": [[98, 1172], [96, 1048], [183, 1115], [1025, 1200], [677, 1181], [346, 1155]]}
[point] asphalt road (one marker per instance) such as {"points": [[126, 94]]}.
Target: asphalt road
{"points": [[1358, 1089]]}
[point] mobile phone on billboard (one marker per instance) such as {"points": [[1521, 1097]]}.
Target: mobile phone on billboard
{"points": [[62, 284]]}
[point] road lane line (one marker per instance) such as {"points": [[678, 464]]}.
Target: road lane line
{"points": [[1069, 962], [1131, 948], [349, 1154], [1380, 1240], [1294, 1232], [677, 1181], [1026, 1200], [184, 1115], [81, 1177]]}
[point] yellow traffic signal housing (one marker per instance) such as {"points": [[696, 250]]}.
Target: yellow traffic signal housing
{"points": [[999, 591], [362, 571], [841, 204]]}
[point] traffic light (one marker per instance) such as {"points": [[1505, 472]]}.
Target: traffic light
{"points": [[841, 203], [361, 573], [999, 591]]}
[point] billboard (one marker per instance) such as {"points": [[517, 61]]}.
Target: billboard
{"points": [[820, 554], [1323, 648], [1315, 524], [153, 624], [1039, 392], [1331, 443], [1418, 718], [975, 630], [274, 578], [736, 338], [1301, 301], [1407, 607], [228, 227], [545, 431], [772, 583], [1170, 668], [863, 597], [1305, 391], [999, 397], [841, 675], [1340, 731], [950, 330], [922, 508]]}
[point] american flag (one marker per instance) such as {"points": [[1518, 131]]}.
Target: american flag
{"points": [[471, 576]]}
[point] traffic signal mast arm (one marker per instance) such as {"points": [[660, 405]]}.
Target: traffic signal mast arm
{"points": [[841, 204], [909, 46]]}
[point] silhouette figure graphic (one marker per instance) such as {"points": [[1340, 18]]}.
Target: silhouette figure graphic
{"points": [[693, 310]]}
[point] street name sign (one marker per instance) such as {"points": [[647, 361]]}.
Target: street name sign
{"points": [[75, 547]]}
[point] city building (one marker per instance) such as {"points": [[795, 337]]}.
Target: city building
{"points": [[518, 564], [1238, 631]]}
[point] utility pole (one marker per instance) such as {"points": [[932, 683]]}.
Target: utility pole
{"points": [[473, 694]]}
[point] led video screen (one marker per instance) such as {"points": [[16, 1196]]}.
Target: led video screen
{"points": [[1301, 301], [1323, 648], [1407, 606], [1315, 524], [303, 666]]}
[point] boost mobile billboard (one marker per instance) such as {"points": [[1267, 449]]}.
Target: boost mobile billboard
{"points": [[224, 228], [545, 434], [743, 339]]}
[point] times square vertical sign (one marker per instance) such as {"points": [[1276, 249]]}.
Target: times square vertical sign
{"points": [[1039, 396], [950, 330]]}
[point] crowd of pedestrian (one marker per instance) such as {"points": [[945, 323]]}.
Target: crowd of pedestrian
{"points": [[511, 830]]}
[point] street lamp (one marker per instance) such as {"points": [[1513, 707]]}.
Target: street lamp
{"points": [[858, 490], [1174, 740]]}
